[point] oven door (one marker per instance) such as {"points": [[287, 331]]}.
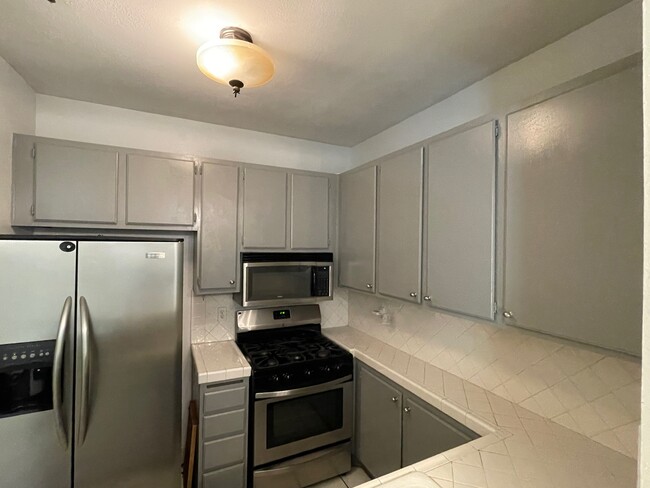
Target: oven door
{"points": [[296, 421]]}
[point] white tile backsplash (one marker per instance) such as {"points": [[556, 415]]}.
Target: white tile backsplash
{"points": [[590, 391]]}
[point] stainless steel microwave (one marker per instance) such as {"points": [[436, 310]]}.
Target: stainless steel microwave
{"points": [[273, 279]]}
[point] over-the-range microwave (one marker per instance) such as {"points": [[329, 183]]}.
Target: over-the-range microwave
{"points": [[291, 278]]}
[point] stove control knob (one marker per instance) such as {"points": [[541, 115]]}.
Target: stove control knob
{"points": [[338, 366], [326, 369], [308, 372], [286, 376], [275, 378]]}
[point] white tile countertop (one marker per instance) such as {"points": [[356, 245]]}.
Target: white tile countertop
{"points": [[219, 361], [518, 448]]}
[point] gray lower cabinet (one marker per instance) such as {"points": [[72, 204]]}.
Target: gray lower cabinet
{"points": [[357, 229], [427, 431], [394, 428], [264, 209], [574, 214], [159, 190], [378, 423], [399, 242], [217, 264], [223, 431], [310, 212], [461, 221]]}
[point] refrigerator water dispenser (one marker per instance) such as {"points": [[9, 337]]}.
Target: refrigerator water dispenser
{"points": [[26, 377]]}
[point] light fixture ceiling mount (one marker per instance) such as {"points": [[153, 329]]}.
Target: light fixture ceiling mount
{"points": [[234, 60]]}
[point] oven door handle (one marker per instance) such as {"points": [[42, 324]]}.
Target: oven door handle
{"points": [[303, 391]]}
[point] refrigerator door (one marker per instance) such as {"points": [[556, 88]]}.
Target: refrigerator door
{"points": [[128, 413], [36, 279]]}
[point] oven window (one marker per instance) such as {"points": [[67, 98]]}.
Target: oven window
{"points": [[300, 418], [278, 282]]}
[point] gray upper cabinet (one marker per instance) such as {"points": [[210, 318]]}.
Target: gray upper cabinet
{"points": [[460, 222], [426, 431], [74, 184], [357, 229], [216, 255], [159, 190], [310, 212], [264, 209], [574, 214], [399, 250], [378, 423]]}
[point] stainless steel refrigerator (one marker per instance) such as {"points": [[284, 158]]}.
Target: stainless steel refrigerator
{"points": [[90, 363]]}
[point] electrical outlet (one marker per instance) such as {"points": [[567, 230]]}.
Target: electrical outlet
{"points": [[221, 314]]}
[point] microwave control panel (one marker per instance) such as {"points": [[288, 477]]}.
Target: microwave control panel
{"points": [[321, 283]]}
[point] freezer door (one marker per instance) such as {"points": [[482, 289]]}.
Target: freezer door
{"points": [[36, 278], [128, 391]]}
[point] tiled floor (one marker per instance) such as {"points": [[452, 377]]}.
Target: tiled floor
{"points": [[354, 478]]}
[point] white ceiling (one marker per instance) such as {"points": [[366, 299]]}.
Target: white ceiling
{"points": [[345, 69]]}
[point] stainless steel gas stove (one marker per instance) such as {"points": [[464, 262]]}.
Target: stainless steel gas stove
{"points": [[301, 394]]}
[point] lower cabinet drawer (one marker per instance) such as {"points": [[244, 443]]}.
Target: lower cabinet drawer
{"points": [[224, 424], [223, 452], [224, 400], [232, 477]]}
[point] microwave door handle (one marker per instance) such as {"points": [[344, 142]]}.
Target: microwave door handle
{"points": [[57, 373]]}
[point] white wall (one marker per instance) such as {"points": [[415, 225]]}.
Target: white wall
{"points": [[644, 450], [17, 108], [89, 122], [603, 42]]}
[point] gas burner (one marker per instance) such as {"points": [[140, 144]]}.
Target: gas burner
{"points": [[323, 353]]}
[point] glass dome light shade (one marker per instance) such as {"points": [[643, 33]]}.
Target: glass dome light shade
{"points": [[223, 60]]}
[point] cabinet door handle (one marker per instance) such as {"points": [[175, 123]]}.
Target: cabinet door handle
{"points": [[407, 409], [394, 399], [232, 282], [508, 314], [413, 294], [427, 298], [369, 286]]}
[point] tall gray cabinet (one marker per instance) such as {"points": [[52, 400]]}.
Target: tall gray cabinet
{"points": [[399, 241], [357, 229], [460, 221], [217, 267], [574, 214]]}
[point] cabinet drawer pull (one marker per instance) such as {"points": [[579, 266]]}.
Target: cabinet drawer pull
{"points": [[427, 298], [407, 409], [394, 399], [413, 294], [232, 282], [369, 286], [509, 315]]}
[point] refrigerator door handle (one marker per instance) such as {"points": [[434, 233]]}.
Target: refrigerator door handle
{"points": [[85, 370], [57, 372]]}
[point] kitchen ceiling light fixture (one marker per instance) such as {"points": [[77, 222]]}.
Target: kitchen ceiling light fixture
{"points": [[234, 60]]}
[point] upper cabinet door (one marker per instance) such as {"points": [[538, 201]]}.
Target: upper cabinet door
{"points": [[160, 191], [357, 224], [75, 184], [400, 226], [574, 214], [217, 242], [310, 214], [265, 209], [461, 208]]}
